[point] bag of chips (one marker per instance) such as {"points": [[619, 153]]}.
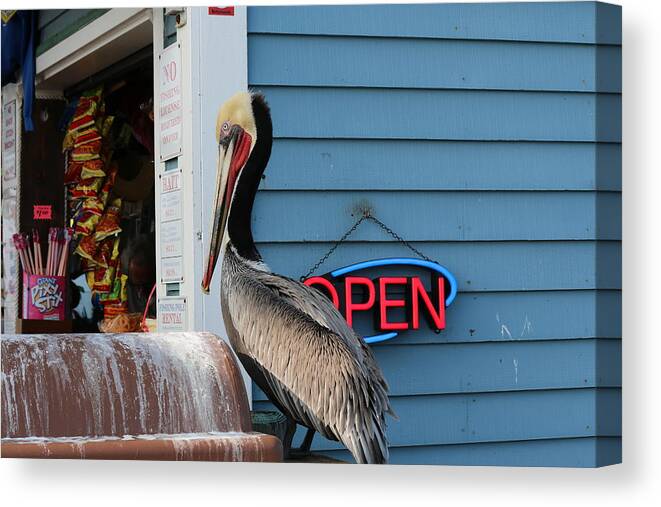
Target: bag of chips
{"points": [[105, 125], [114, 296], [89, 104], [103, 255], [92, 169], [89, 151], [123, 295], [104, 277], [93, 205], [109, 223], [89, 276], [74, 173], [87, 136], [86, 224], [87, 249], [117, 320], [84, 115], [108, 184], [86, 188]]}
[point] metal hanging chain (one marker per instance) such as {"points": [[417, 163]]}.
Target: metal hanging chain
{"points": [[365, 216], [325, 257], [398, 237]]}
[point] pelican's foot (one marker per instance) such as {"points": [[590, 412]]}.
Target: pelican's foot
{"points": [[298, 452]]}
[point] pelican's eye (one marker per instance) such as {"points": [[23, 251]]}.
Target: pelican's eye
{"points": [[226, 127]]}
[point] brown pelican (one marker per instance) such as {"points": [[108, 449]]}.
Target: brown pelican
{"points": [[291, 340]]}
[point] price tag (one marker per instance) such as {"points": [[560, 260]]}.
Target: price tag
{"points": [[42, 212]]}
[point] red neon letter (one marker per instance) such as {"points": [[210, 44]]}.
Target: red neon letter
{"points": [[385, 303], [349, 282], [320, 280], [418, 290]]}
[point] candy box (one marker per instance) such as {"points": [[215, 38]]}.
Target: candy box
{"points": [[44, 297]]}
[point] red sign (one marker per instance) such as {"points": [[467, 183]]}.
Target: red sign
{"points": [[396, 303], [221, 11], [412, 296], [42, 212]]}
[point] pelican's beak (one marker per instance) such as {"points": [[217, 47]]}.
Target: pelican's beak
{"points": [[233, 152]]}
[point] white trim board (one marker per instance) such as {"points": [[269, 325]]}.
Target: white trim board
{"points": [[108, 39]]}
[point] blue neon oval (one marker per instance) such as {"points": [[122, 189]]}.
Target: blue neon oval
{"points": [[407, 261], [379, 337]]}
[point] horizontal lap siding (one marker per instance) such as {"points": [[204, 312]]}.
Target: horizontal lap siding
{"points": [[489, 136], [450, 216], [376, 164], [566, 452], [492, 65], [427, 369], [562, 22], [380, 113], [494, 417], [485, 265]]}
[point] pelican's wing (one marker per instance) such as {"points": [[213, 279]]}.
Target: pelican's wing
{"points": [[315, 365]]}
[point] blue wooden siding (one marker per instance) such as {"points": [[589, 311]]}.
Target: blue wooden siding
{"points": [[489, 135]]}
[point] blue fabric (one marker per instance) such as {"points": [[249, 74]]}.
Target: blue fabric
{"points": [[18, 45]]}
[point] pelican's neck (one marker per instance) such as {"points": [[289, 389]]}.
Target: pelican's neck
{"points": [[239, 229]]}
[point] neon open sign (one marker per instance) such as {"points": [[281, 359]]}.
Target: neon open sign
{"points": [[351, 293]]}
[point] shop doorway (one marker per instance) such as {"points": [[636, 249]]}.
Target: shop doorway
{"points": [[113, 266]]}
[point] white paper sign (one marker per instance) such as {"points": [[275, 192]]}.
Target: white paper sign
{"points": [[170, 181], [9, 140], [171, 314], [169, 102], [172, 269], [171, 206], [171, 239]]}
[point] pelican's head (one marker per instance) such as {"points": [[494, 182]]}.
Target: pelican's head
{"points": [[236, 134]]}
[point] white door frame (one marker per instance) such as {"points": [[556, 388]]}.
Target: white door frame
{"points": [[214, 61]]}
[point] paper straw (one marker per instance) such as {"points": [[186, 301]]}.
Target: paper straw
{"points": [[26, 246], [56, 252], [36, 243], [67, 233], [19, 248], [49, 255], [52, 246]]}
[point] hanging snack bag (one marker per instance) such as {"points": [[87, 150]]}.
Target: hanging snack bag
{"points": [[86, 188], [86, 110], [109, 224], [108, 184], [104, 277], [74, 173], [103, 256], [114, 296], [105, 125], [87, 136], [89, 277], [87, 151], [92, 169], [123, 295], [86, 224], [87, 249]]}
